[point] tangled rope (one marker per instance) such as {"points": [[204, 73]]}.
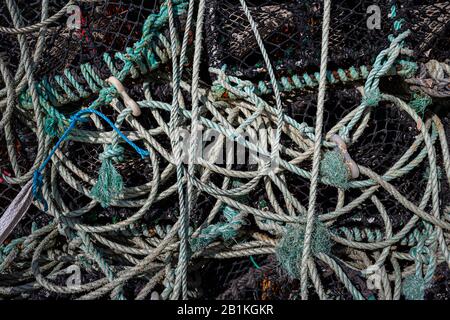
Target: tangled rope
{"points": [[161, 255]]}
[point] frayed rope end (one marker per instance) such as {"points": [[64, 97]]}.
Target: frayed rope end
{"points": [[334, 169], [109, 184]]}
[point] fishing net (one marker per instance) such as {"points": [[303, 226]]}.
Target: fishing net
{"points": [[130, 203], [291, 31]]}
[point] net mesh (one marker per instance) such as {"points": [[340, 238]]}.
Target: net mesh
{"points": [[292, 33]]}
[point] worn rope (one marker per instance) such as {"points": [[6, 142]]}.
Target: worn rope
{"points": [[162, 254]]}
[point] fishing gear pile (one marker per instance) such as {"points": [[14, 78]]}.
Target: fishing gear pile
{"points": [[233, 149]]}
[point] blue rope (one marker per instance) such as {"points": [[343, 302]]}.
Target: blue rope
{"points": [[37, 177]]}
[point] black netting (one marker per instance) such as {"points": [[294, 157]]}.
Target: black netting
{"points": [[268, 281], [291, 31], [31, 13], [265, 281], [25, 149]]}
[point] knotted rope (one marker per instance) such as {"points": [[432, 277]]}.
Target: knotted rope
{"points": [[236, 225]]}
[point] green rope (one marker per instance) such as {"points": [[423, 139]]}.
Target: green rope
{"points": [[334, 169]]}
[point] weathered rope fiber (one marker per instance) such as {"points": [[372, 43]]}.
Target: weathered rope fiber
{"points": [[180, 206]]}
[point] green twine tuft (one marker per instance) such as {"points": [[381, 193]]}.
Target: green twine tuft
{"points": [[262, 204], [420, 102], [413, 287], [219, 92], [109, 183], [334, 169], [200, 242], [290, 249]]}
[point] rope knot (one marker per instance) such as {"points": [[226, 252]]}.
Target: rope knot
{"points": [[52, 124], [290, 249], [219, 92], [420, 103], [333, 169], [419, 253], [435, 69], [408, 68], [432, 80]]}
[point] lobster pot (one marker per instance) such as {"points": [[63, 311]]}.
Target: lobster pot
{"points": [[240, 279], [429, 22], [82, 34], [386, 136], [291, 32]]}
